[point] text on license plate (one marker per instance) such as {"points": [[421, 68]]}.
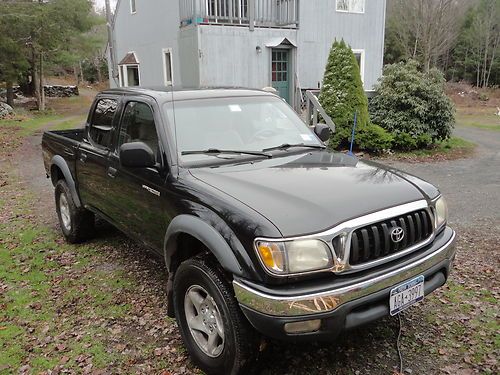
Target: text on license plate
{"points": [[405, 295]]}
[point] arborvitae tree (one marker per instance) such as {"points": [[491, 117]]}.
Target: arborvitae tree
{"points": [[342, 95], [342, 92]]}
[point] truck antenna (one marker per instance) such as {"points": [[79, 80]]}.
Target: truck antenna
{"points": [[175, 128]]}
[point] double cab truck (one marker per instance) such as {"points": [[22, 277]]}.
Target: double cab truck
{"points": [[265, 231]]}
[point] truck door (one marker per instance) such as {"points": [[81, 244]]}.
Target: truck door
{"points": [[93, 155], [138, 194]]}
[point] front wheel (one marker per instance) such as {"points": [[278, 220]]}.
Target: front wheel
{"points": [[217, 336], [77, 224]]}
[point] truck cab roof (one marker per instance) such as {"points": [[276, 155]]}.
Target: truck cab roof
{"points": [[165, 94]]}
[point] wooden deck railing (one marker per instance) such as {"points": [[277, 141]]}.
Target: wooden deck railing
{"points": [[251, 13]]}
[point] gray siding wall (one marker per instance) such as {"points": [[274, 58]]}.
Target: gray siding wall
{"points": [[189, 57], [229, 55], [321, 24], [154, 27], [212, 55]]}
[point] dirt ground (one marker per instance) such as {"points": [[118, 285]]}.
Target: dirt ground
{"points": [[455, 331]]}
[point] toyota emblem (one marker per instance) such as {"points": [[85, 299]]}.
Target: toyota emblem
{"points": [[397, 234]]}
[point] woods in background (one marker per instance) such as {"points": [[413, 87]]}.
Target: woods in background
{"points": [[459, 37], [56, 36]]}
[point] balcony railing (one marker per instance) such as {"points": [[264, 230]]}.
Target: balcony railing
{"points": [[252, 13]]}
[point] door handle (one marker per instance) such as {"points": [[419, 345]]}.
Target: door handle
{"points": [[83, 157], [68, 152], [112, 172]]}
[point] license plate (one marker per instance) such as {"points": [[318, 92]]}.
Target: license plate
{"points": [[406, 295]]}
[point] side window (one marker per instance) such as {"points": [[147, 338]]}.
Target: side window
{"points": [[102, 122], [138, 126]]}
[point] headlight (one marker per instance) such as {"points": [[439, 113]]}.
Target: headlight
{"points": [[292, 257], [441, 212]]}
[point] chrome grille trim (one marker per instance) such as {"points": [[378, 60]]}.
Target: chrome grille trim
{"points": [[344, 230]]}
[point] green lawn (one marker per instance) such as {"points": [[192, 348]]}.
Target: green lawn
{"points": [[29, 123], [480, 120], [37, 285], [452, 148]]}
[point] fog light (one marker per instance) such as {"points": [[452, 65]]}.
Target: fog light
{"points": [[303, 327]]}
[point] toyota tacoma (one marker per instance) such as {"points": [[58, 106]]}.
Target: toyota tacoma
{"points": [[265, 231]]}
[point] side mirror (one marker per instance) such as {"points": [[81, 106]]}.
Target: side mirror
{"points": [[323, 132], [137, 155]]}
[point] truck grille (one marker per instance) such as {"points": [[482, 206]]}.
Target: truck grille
{"points": [[374, 241]]}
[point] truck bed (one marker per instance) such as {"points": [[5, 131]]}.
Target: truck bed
{"points": [[64, 143], [73, 134]]}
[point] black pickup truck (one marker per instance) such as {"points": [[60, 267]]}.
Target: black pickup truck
{"points": [[263, 229]]}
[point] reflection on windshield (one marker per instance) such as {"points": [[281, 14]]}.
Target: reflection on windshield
{"points": [[237, 123]]}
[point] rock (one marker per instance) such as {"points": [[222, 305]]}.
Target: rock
{"points": [[5, 110], [61, 91]]}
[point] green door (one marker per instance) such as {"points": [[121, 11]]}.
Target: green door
{"points": [[280, 72]]}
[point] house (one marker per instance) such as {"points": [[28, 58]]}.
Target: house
{"points": [[246, 43]]}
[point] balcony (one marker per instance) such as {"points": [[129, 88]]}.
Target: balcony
{"points": [[250, 13]]}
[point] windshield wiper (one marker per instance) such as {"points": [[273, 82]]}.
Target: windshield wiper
{"points": [[286, 146], [216, 152]]}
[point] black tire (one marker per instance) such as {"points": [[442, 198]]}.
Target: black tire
{"points": [[77, 224], [240, 339]]}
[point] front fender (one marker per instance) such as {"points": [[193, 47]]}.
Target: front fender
{"points": [[207, 235], [59, 162]]}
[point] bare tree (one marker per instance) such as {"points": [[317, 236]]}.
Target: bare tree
{"points": [[427, 29], [485, 37]]}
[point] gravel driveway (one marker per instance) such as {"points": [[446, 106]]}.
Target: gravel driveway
{"points": [[471, 186]]}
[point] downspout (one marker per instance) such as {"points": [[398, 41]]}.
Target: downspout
{"points": [[251, 14], [111, 43]]}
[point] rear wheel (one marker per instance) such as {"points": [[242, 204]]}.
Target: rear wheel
{"points": [[217, 335], [77, 224]]}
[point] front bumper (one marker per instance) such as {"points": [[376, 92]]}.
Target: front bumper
{"points": [[349, 302]]}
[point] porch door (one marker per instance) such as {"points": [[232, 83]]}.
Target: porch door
{"points": [[280, 69]]}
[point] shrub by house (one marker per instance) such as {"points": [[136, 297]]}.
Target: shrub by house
{"points": [[413, 106]]}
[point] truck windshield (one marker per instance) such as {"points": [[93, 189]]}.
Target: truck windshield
{"points": [[246, 124]]}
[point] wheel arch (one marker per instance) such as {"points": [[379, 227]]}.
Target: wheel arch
{"points": [[205, 234], [208, 236], [59, 170]]}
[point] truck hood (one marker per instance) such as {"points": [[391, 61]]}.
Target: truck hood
{"points": [[310, 192]]}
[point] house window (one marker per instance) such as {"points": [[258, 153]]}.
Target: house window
{"points": [[129, 75], [133, 6], [351, 6], [360, 58], [168, 71]]}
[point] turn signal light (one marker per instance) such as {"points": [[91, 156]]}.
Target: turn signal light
{"points": [[303, 327]]}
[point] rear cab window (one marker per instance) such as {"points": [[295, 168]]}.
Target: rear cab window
{"points": [[138, 125], [101, 126]]}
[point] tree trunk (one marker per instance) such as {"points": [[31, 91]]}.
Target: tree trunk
{"points": [[77, 77], [37, 86], [465, 64], [81, 72], [495, 47], [41, 88], [10, 93], [98, 68]]}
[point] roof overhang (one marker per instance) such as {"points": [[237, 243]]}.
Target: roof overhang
{"points": [[281, 41], [129, 59]]}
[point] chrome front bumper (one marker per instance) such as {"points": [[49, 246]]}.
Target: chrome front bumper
{"points": [[318, 303]]}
